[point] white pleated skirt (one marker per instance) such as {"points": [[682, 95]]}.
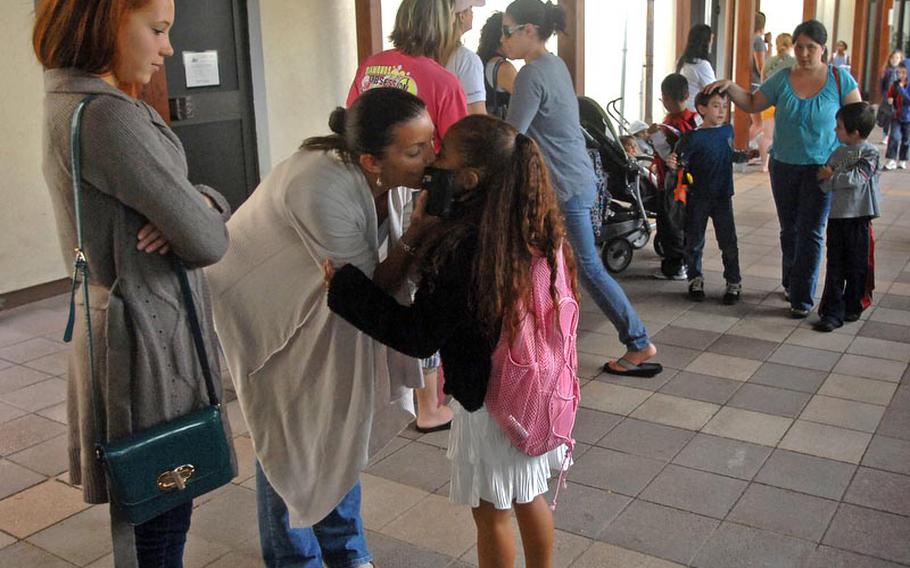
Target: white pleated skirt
{"points": [[485, 464]]}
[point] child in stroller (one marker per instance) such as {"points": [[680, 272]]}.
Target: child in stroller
{"points": [[621, 214]]}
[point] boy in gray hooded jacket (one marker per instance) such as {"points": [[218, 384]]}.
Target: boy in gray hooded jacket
{"points": [[851, 175]]}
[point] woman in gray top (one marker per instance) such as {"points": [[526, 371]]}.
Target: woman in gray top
{"points": [[544, 106], [137, 207]]}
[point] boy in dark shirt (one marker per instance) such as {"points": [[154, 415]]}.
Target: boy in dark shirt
{"points": [[707, 154], [674, 92]]}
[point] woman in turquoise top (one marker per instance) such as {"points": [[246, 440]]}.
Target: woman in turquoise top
{"points": [[806, 97]]}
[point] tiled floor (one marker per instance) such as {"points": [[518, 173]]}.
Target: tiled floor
{"points": [[764, 443]]}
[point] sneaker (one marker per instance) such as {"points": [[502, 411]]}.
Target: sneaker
{"points": [[680, 275], [732, 294], [797, 313], [902, 164], [890, 165], [851, 317], [697, 289], [824, 325]]}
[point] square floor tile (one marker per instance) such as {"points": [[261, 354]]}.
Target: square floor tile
{"points": [[736, 545], [614, 471], [724, 456], [584, 510], [603, 555], [589, 366], [700, 492], [789, 377], [675, 411], [748, 426], [723, 366], [674, 357], [592, 425], [806, 474], [765, 330], [701, 387], [80, 539], [612, 398], [896, 421], [877, 348], [30, 349], [394, 553], [646, 439], [707, 322], [826, 441], [843, 413], [890, 454], [827, 557], [14, 478], [37, 396], [861, 390], [8, 413], [15, 377], [27, 431], [745, 347], [49, 458], [227, 518], [57, 413], [23, 555], [384, 500], [805, 357], [437, 525], [54, 364], [418, 465], [875, 533], [828, 341], [659, 531], [770, 400], [870, 368], [880, 490], [887, 331], [785, 512], [686, 337], [39, 507]]}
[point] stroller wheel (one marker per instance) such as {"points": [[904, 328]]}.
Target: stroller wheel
{"points": [[617, 255], [640, 240], [658, 248]]}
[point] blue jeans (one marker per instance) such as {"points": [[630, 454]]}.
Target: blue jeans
{"points": [[338, 539], [605, 292], [898, 141], [802, 210], [720, 211], [160, 541]]}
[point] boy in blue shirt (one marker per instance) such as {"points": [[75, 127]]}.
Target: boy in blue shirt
{"points": [[707, 155], [851, 176]]}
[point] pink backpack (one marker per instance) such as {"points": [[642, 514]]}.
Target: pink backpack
{"points": [[533, 391]]}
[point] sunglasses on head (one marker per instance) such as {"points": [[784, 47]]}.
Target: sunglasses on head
{"points": [[508, 31]]}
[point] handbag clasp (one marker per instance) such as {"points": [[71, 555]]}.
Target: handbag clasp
{"points": [[176, 478]]}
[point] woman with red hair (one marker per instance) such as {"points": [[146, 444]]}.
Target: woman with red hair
{"points": [[138, 212]]}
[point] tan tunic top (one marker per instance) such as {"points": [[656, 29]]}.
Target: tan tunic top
{"points": [[316, 393]]}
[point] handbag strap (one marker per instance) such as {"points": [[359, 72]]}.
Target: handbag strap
{"points": [[497, 105], [80, 271]]}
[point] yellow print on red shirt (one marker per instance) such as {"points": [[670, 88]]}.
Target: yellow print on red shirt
{"points": [[388, 76]]}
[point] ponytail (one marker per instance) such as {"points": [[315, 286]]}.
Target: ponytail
{"points": [[548, 17]]}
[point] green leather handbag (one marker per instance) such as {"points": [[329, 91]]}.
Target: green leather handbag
{"points": [[166, 465]]}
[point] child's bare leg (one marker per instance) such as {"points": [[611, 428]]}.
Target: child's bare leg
{"points": [[429, 413], [535, 522], [495, 542]]}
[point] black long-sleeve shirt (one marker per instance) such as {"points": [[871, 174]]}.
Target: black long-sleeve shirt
{"points": [[440, 319]]}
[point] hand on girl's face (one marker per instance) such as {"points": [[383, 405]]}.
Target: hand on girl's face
{"points": [[420, 219]]}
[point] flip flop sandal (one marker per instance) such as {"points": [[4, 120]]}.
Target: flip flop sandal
{"points": [[643, 370], [440, 428]]}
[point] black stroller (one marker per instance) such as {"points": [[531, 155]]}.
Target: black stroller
{"points": [[621, 220]]}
